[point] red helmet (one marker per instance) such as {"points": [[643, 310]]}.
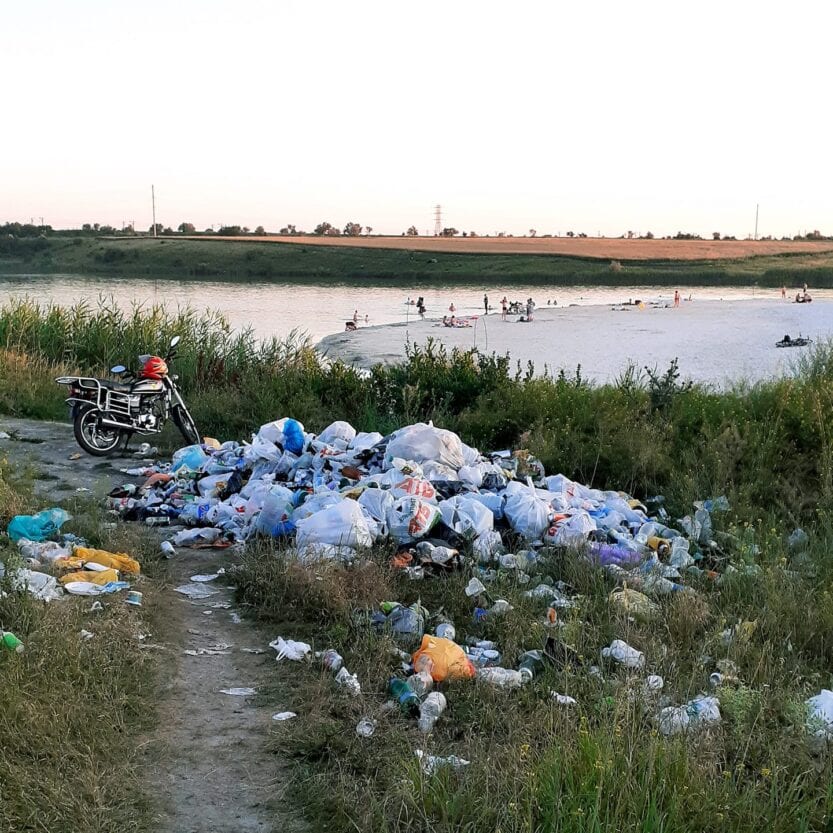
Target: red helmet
{"points": [[154, 368]]}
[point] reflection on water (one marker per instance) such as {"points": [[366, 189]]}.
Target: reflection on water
{"points": [[276, 308]]}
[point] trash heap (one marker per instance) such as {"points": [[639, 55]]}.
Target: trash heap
{"points": [[444, 506], [54, 569]]}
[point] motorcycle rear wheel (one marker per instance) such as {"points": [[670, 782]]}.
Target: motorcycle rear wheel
{"points": [[187, 427], [95, 440]]}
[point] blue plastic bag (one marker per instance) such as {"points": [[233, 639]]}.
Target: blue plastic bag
{"points": [[293, 436], [37, 527]]}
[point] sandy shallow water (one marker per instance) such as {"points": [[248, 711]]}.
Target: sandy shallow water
{"points": [[720, 342]]}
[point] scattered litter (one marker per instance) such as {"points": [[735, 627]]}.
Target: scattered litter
{"points": [[205, 577], [820, 717], [366, 727], [281, 716], [238, 692], [622, 653], [290, 649], [221, 649], [86, 634], [5, 436], [235, 618], [253, 650], [196, 591], [37, 527], [167, 549], [431, 763], [75, 456], [563, 699], [349, 681], [695, 714], [134, 597]]}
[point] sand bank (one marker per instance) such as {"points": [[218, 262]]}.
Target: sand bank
{"points": [[715, 341]]}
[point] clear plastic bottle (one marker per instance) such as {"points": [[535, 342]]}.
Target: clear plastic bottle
{"points": [[430, 710], [503, 678], [332, 659], [421, 682]]}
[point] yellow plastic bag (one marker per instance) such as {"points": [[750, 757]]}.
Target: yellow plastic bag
{"points": [[116, 560], [99, 577], [448, 661]]}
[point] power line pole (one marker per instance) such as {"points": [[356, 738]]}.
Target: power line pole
{"points": [[757, 206], [153, 203], [438, 220]]}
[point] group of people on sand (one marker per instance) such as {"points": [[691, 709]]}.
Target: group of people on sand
{"points": [[803, 297]]}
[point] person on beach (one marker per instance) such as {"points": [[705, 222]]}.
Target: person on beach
{"points": [[783, 293], [452, 309], [504, 305], [530, 306], [486, 303], [355, 315], [676, 297], [366, 318]]}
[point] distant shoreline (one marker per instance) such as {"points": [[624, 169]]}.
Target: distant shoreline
{"points": [[358, 262]]}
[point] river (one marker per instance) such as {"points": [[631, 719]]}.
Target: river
{"points": [[275, 308]]}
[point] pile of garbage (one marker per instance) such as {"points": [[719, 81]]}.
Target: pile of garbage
{"points": [[56, 568], [444, 506]]}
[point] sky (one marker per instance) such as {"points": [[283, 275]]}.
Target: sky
{"points": [[595, 117]]}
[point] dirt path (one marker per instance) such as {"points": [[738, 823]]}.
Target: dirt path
{"points": [[207, 763]]}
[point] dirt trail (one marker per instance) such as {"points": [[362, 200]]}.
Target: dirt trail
{"points": [[206, 765]]}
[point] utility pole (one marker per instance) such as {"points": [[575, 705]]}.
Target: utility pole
{"points": [[153, 204], [757, 206]]}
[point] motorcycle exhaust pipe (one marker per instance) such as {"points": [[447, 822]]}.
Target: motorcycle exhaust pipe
{"points": [[111, 423]]}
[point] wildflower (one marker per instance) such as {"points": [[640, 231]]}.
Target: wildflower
{"points": [[766, 772]]}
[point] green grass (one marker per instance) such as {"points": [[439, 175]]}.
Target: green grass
{"points": [[73, 710], [246, 260]]}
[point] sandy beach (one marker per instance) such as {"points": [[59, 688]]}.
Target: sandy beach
{"points": [[719, 342]]}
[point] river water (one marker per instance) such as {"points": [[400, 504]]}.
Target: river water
{"points": [[275, 308]]}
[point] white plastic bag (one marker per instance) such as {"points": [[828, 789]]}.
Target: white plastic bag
{"points": [[341, 525], [466, 516], [377, 503], [527, 514], [423, 442], [338, 430], [365, 440], [290, 649], [410, 518]]}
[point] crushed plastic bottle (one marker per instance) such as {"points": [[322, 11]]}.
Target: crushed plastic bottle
{"points": [[422, 682], [502, 678], [366, 727], [330, 659], [10, 642], [431, 763], [696, 714], [621, 652], [349, 681], [430, 710]]}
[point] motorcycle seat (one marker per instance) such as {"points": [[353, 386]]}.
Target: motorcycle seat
{"points": [[111, 385]]}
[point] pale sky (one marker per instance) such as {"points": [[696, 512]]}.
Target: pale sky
{"points": [[584, 116]]}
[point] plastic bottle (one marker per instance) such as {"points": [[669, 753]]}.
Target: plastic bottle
{"points": [[349, 681], [503, 678], [332, 659], [531, 663], [430, 710], [167, 549], [10, 642], [422, 682], [622, 653], [446, 630], [404, 694]]}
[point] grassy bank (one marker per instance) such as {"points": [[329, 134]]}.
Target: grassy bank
{"points": [[73, 709], [536, 765], [243, 260], [766, 445]]}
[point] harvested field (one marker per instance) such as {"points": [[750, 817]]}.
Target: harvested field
{"points": [[602, 248]]}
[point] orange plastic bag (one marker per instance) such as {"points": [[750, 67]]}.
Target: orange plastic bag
{"points": [[94, 577], [448, 661], [116, 560]]}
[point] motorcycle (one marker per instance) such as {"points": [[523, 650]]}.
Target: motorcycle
{"points": [[106, 413]]}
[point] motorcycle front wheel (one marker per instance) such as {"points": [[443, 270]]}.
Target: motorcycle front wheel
{"points": [[187, 427], [93, 438]]}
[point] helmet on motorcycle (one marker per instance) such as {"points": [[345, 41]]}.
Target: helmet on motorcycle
{"points": [[154, 368]]}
